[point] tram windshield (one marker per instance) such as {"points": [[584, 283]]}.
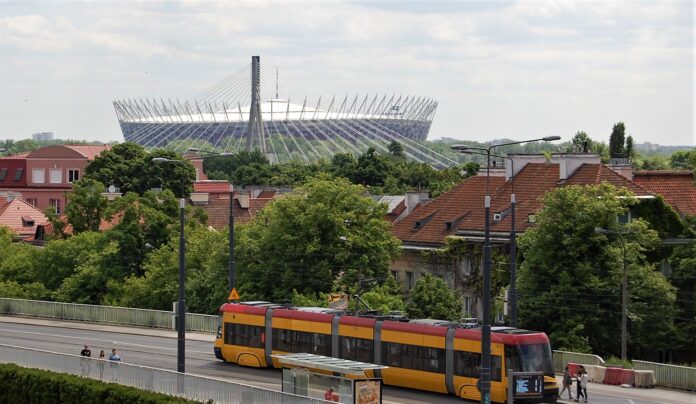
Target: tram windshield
{"points": [[529, 358]]}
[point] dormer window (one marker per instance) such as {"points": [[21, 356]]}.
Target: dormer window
{"points": [[448, 225], [531, 218], [27, 221]]}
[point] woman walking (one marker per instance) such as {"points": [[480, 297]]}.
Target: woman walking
{"points": [[582, 385], [567, 383]]}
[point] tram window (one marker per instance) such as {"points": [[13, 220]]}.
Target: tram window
{"points": [[468, 364], [414, 357], [243, 335], [356, 349], [298, 341]]}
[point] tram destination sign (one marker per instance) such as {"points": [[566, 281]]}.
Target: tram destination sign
{"points": [[528, 384]]}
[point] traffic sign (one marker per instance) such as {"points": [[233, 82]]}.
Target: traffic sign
{"points": [[233, 295]]}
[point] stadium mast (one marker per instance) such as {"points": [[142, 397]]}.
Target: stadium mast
{"points": [[255, 127]]}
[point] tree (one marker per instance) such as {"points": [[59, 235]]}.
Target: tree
{"points": [[570, 279], [396, 149], [683, 160], [326, 231], [629, 152], [581, 142], [86, 205], [432, 298], [616, 140], [129, 167]]}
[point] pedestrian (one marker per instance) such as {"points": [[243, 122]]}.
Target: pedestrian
{"points": [[114, 356], [85, 361], [579, 392], [329, 395], [101, 363], [115, 359], [583, 383], [567, 383]]}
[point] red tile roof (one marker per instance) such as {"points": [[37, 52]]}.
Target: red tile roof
{"points": [[463, 206], [89, 151], [677, 187], [20, 156], [211, 186], [12, 213], [218, 209]]}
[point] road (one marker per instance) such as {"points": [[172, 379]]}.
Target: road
{"points": [[157, 348]]}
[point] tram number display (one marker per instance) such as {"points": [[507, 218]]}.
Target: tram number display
{"points": [[528, 384]]}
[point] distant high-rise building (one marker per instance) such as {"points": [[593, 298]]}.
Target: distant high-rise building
{"points": [[42, 137]]}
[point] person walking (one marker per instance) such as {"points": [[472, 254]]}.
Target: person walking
{"points": [[579, 392], [85, 354], [115, 359], [101, 363], [567, 383], [584, 379]]}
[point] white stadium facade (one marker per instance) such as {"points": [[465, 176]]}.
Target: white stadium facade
{"points": [[231, 116]]}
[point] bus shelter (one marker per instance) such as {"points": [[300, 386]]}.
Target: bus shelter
{"points": [[331, 379]]}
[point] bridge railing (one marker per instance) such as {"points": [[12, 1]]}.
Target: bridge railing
{"points": [[562, 358], [168, 382], [670, 376], [106, 314]]}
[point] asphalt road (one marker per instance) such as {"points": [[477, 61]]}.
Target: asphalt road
{"points": [[160, 351]]}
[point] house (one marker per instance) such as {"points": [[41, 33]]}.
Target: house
{"points": [[20, 217], [43, 176], [677, 187], [460, 213]]}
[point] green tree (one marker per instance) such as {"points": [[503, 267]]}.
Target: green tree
{"points": [[616, 140], [683, 160], [327, 230], [570, 278], [396, 149], [432, 298], [86, 206], [629, 152], [129, 167], [384, 298]]}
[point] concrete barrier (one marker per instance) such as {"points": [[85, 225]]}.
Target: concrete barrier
{"points": [[644, 378]]}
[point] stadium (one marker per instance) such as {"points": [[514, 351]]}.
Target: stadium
{"points": [[231, 116]]}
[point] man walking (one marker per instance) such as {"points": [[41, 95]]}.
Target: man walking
{"points": [[567, 383], [86, 354]]}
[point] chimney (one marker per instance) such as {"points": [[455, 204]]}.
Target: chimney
{"points": [[413, 198], [569, 162]]}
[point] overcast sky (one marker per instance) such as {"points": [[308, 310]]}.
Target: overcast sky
{"points": [[499, 69]]}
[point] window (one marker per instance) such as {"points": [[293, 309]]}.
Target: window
{"points": [[300, 341], [467, 306], [55, 176], [38, 175], [625, 218], [395, 274], [414, 357], [466, 264], [531, 218], [244, 335], [3, 174], [27, 221], [31, 201], [356, 349], [409, 280], [55, 203], [73, 175], [529, 358], [18, 174], [468, 364]]}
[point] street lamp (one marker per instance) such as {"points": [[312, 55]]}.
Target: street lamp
{"points": [[513, 236], [624, 287], [181, 304], [486, 323], [231, 265]]}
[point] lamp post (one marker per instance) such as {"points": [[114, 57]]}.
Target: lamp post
{"points": [[181, 303], [624, 288], [485, 379], [513, 236], [231, 265]]}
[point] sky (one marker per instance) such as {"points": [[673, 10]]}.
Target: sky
{"points": [[499, 69]]}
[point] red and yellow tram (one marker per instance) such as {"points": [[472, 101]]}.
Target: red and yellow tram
{"points": [[430, 355]]}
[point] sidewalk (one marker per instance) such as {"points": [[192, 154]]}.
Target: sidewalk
{"points": [[628, 394], [122, 329]]}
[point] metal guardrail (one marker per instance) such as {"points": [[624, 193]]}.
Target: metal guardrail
{"points": [[671, 376], [562, 358], [146, 378], [106, 314]]}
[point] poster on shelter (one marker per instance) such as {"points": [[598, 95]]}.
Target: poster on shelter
{"points": [[368, 392]]}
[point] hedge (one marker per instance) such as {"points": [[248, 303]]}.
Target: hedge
{"points": [[29, 386]]}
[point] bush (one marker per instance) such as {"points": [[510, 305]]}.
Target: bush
{"points": [[22, 385], [613, 360]]}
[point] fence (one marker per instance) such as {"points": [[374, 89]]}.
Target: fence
{"points": [[562, 358], [146, 378], [107, 314], [671, 376]]}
